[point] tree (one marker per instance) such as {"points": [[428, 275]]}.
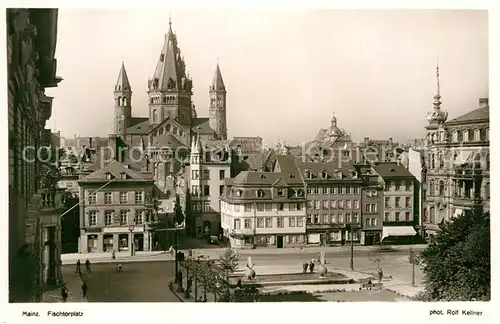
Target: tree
{"points": [[414, 259], [228, 261], [456, 264]]}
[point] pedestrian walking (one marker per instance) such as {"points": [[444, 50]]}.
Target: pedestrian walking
{"points": [[64, 293], [85, 290], [87, 265], [311, 266], [305, 265], [78, 267], [113, 256], [380, 275]]}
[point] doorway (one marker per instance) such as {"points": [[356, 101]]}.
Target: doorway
{"points": [[279, 241]]}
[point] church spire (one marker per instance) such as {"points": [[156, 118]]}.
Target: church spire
{"points": [[122, 84], [217, 82], [437, 97], [437, 115]]}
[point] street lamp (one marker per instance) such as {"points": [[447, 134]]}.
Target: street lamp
{"points": [[131, 238]]}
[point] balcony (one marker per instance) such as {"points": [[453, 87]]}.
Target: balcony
{"points": [[467, 173]]}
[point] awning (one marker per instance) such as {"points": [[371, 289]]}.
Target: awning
{"points": [[397, 231], [463, 157]]}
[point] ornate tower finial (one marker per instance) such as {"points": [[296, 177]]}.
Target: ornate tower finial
{"points": [[437, 115], [437, 76], [334, 120]]}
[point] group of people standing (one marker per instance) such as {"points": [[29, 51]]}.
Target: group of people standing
{"points": [[308, 265], [64, 289]]}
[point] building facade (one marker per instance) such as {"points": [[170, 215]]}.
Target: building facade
{"points": [[264, 209], [115, 210], [400, 202], [34, 237]]}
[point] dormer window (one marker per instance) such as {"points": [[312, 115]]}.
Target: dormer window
{"points": [[324, 175], [339, 174], [262, 176], [123, 175], [308, 174], [260, 193], [238, 193], [300, 193], [281, 192], [109, 176]]}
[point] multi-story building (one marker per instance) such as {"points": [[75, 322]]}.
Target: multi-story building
{"points": [[458, 163], [209, 166], [115, 209], [34, 236], [400, 202], [333, 197], [264, 209]]}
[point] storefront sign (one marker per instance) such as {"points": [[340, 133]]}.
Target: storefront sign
{"points": [[94, 230]]}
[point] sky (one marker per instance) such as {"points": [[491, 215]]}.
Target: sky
{"points": [[286, 71]]}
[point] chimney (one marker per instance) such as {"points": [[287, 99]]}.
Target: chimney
{"points": [[366, 140], [483, 103], [90, 142]]}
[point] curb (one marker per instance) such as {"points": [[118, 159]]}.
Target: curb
{"points": [[171, 287], [119, 261]]}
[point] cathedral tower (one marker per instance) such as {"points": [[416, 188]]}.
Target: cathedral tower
{"points": [[170, 89], [217, 109], [123, 102]]}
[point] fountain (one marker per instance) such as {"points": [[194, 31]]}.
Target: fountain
{"points": [[322, 270], [250, 272]]}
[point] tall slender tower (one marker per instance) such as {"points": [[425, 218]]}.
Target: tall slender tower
{"points": [[217, 109], [170, 89], [123, 102]]}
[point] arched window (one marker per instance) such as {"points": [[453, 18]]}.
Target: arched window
{"points": [[441, 136], [477, 161], [454, 136], [124, 101], [441, 161], [155, 115], [477, 135], [466, 135], [432, 215], [119, 101], [431, 188], [441, 188]]}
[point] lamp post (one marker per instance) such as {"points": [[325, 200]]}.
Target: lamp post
{"points": [[131, 238]]}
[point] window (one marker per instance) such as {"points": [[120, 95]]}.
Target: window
{"points": [[109, 176], [454, 136], [281, 222], [260, 222], [221, 190], [325, 219], [316, 190], [398, 202], [291, 221], [92, 218], [300, 222], [333, 204], [222, 174], [332, 190], [387, 217], [477, 135], [248, 223], [310, 204], [333, 219], [374, 222], [309, 190], [341, 190], [341, 204], [373, 208], [300, 193], [194, 190], [139, 214], [441, 188], [280, 192], [300, 206], [309, 219], [317, 204], [123, 198], [281, 206], [466, 136], [139, 197], [260, 193], [206, 206], [387, 203], [408, 202], [348, 218], [326, 204], [269, 222], [356, 190], [408, 185], [341, 218], [248, 207], [123, 217], [108, 217], [237, 224], [316, 219], [398, 185], [92, 198], [195, 174], [348, 190], [407, 217], [108, 197], [356, 204], [292, 206], [260, 207], [236, 207], [368, 221], [397, 216], [206, 174], [325, 190], [348, 204], [238, 193], [206, 190]]}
